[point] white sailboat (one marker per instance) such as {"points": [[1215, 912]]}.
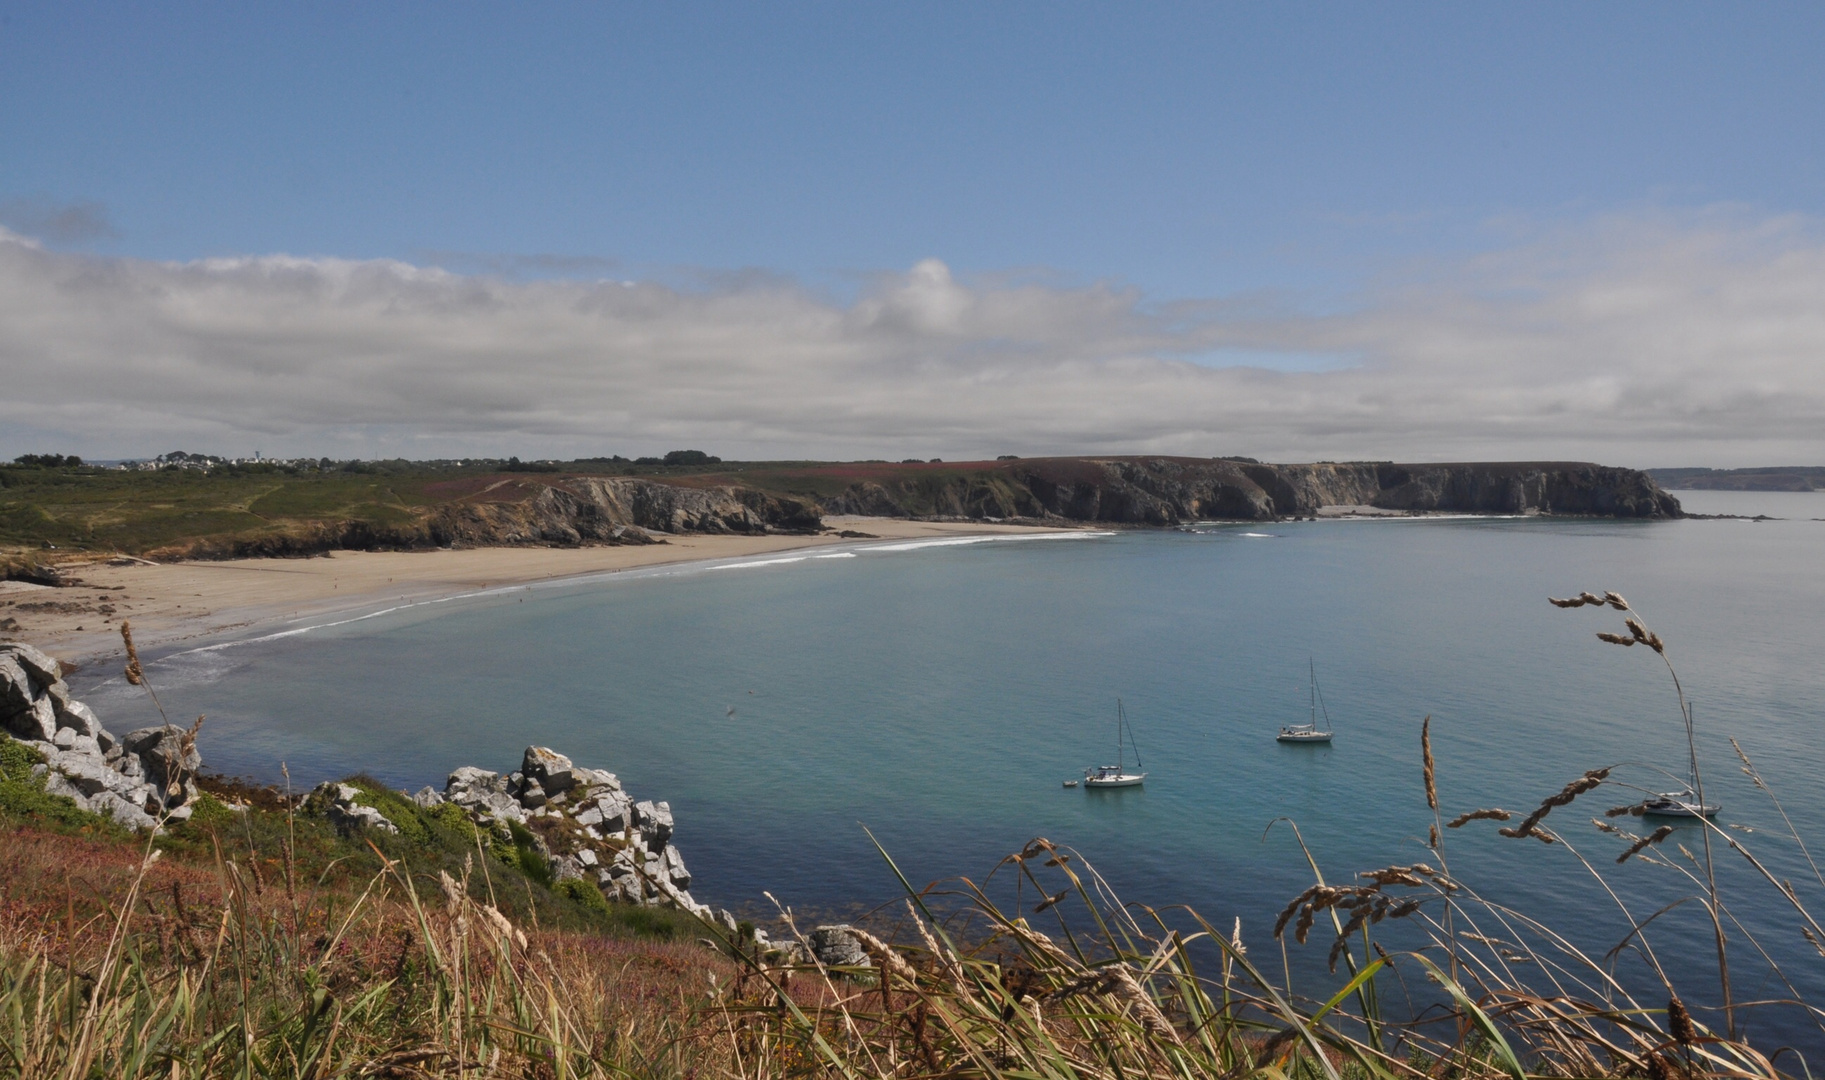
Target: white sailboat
{"points": [[1684, 803], [1309, 732], [1116, 775], [1679, 804]]}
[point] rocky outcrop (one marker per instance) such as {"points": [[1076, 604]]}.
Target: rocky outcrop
{"points": [[618, 510], [581, 822], [560, 511], [1170, 491], [342, 805], [140, 780]]}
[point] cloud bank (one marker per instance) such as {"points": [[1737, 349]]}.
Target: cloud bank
{"points": [[1646, 341]]}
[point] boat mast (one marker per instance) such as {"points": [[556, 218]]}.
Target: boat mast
{"points": [[1312, 668], [1120, 719]]}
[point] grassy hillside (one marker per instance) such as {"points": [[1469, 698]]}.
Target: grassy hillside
{"points": [[89, 509], [1780, 478]]}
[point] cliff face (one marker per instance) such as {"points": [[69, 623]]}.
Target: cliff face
{"points": [[571, 510], [1166, 491], [606, 509], [564, 512]]}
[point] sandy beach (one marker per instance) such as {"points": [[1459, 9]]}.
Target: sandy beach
{"points": [[173, 603]]}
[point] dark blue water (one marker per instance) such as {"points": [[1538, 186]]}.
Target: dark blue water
{"points": [[939, 694]]}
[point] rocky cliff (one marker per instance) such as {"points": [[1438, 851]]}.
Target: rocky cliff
{"points": [[495, 510], [1166, 491], [564, 511]]}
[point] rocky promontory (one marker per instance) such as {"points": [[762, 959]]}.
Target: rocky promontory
{"points": [[1174, 490]]}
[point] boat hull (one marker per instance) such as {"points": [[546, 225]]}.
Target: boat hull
{"points": [[1125, 780], [1668, 808], [1303, 737]]}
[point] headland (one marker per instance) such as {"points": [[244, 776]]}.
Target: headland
{"points": [[201, 548]]}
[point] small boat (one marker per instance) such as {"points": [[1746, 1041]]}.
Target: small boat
{"points": [[1113, 776], [1309, 732], [1070, 783], [1685, 803], [1679, 804]]}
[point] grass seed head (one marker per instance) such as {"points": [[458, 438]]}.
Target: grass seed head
{"points": [[1680, 1022], [1425, 750], [1647, 841], [1492, 814], [136, 675]]}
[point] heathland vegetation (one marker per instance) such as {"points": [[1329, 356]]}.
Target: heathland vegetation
{"points": [[253, 940], [192, 505]]}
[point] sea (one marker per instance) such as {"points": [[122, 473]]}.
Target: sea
{"points": [[805, 714]]}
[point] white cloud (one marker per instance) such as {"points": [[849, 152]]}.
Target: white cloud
{"points": [[1640, 341]]}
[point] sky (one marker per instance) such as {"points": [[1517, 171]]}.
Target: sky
{"points": [[1292, 231]]}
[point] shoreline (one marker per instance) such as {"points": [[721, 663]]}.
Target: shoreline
{"points": [[198, 602]]}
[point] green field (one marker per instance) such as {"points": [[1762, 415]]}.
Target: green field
{"points": [[170, 511]]}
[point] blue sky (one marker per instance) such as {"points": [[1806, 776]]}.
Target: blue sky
{"points": [[1274, 167]]}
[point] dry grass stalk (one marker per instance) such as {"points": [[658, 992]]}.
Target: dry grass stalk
{"points": [[1425, 750], [1645, 842], [1493, 814], [883, 954], [135, 674], [1571, 791]]}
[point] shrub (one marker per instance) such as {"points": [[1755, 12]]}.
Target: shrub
{"points": [[210, 812], [691, 457], [584, 894]]}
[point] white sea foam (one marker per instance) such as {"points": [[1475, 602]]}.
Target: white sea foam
{"points": [[757, 562], [959, 541]]}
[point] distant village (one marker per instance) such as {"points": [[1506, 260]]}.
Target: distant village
{"points": [[181, 459]]}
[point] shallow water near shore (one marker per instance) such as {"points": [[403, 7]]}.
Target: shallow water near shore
{"points": [[939, 692]]}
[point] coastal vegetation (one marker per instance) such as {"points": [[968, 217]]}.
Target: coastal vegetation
{"points": [[195, 506], [257, 940], [1782, 478]]}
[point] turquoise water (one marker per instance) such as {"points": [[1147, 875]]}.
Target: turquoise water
{"points": [[938, 695]]}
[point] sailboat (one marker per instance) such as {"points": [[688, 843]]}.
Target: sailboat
{"points": [[1111, 776], [1682, 803], [1679, 804], [1309, 732]]}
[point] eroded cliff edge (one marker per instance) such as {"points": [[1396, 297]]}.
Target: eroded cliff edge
{"points": [[1169, 490], [572, 509]]}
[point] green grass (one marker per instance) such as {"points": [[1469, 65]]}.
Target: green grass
{"points": [[24, 800], [139, 512], [239, 508]]}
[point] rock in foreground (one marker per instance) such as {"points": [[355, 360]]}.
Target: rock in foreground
{"points": [[139, 780], [580, 820]]}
